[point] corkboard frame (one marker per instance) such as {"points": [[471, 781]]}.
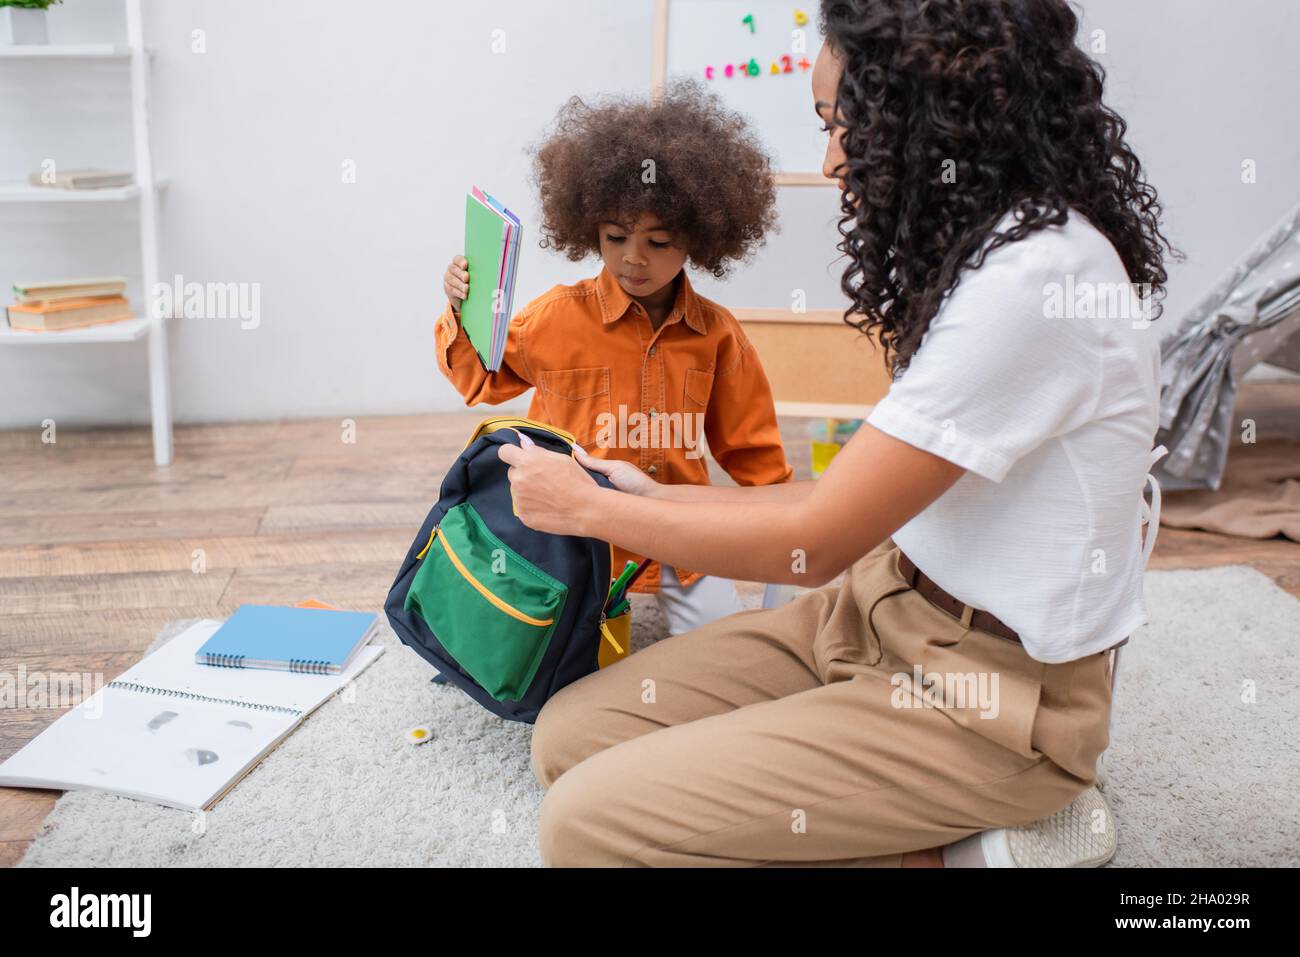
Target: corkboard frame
{"points": [[818, 365], [659, 77]]}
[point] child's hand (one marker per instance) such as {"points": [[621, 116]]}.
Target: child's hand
{"points": [[455, 282], [624, 476]]}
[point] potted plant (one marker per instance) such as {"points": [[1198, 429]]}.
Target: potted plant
{"points": [[23, 21]]}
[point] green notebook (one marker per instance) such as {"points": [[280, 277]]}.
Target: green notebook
{"points": [[491, 247]]}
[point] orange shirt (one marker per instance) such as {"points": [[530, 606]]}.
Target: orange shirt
{"points": [[627, 391]]}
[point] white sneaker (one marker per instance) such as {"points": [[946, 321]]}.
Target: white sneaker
{"points": [[1101, 771], [1081, 835]]}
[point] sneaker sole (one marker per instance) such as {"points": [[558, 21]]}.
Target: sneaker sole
{"points": [[1069, 838]]}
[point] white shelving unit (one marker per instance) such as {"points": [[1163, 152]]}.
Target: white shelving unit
{"points": [[129, 330], [145, 193], [25, 193], [47, 51]]}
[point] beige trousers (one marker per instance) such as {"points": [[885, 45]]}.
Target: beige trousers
{"points": [[852, 725]]}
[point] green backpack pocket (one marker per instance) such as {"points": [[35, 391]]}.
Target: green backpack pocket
{"points": [[491, 609]]}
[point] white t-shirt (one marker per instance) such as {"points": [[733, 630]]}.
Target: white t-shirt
{"points": [[1049, 401]]}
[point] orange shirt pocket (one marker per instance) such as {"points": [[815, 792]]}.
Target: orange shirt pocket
{"points": [[692, 469], [699, 386], [575, 400]]}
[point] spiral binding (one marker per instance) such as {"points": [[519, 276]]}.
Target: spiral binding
{"points": [[170, 693], [224, 661], [306, 666]]}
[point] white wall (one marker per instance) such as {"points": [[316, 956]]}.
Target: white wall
{"points": [[252, 134], [1205, 85]]}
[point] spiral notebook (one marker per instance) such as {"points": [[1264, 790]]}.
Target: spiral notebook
{"points": [[313, 640], [174, 732]]}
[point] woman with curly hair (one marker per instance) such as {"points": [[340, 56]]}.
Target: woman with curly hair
{"points": [[634, 363], [948, 702]]}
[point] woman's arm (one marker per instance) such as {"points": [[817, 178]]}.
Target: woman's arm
{"points": [[628, 478], [787, 492], [873, 487]]}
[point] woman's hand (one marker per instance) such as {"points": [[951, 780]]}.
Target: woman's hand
{"points": [[624, 476], [455, 282], [551, 491]]}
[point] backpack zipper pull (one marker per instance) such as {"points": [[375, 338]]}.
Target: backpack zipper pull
{"points": [[609, 635], [429, 544]]}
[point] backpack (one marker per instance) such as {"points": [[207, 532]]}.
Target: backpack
{"points": [[509, 614]]}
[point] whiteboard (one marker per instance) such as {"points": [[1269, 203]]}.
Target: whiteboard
{"points": [[711, 41]]}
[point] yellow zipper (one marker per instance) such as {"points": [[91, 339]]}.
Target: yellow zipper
{"points": [[510, 421], [427, 545], [482, 590], [609, 635]]}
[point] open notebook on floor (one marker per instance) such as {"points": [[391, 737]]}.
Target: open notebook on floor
{"points": [[175, 732]]}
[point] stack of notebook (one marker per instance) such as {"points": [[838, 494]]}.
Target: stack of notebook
{"points": [[310, 638], [492, 248], [53, 305]]}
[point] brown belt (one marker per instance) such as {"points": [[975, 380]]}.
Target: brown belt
{"points": [[983, 620]]}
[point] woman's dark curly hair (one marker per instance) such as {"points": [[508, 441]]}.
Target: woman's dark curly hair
{"points": [[712, 182], [1000, 88]]}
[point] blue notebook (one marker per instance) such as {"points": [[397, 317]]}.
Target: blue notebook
{"points": [[310, 640]]}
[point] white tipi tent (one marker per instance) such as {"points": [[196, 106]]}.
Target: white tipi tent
{"points": [[1251, 316]]}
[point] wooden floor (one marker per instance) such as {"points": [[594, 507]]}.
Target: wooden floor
{"points": [[98, 548]]}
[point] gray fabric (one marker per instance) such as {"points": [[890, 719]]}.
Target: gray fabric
{"points": [[1252, 315]]}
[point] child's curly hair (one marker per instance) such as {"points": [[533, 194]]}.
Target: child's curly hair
{"points": [[712, 180]]}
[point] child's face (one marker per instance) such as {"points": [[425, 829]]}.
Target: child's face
{"points": [[644, 260]]}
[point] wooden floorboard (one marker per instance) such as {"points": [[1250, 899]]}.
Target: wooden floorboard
{"points": [[50, 526], [99, 549]]}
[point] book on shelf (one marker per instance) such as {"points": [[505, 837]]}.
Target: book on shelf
{"points": [[56, 290], [83, 179], [68, 313]]}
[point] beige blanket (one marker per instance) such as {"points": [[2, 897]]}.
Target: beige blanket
{"points": [[1259, 498]]}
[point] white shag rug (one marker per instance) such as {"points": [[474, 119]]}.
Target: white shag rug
{"points": [[1202, 770]]}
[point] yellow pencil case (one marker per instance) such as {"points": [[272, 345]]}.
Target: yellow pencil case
{"points": [[620, 630]]}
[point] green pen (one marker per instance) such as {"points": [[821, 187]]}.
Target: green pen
{"points": [[627, 585], [619, 608], [628, 569]]}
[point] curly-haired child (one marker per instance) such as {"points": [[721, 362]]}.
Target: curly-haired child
{"points": [[634, 363]]}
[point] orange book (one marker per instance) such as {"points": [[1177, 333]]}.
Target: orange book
{"points": [[69, 314]]}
